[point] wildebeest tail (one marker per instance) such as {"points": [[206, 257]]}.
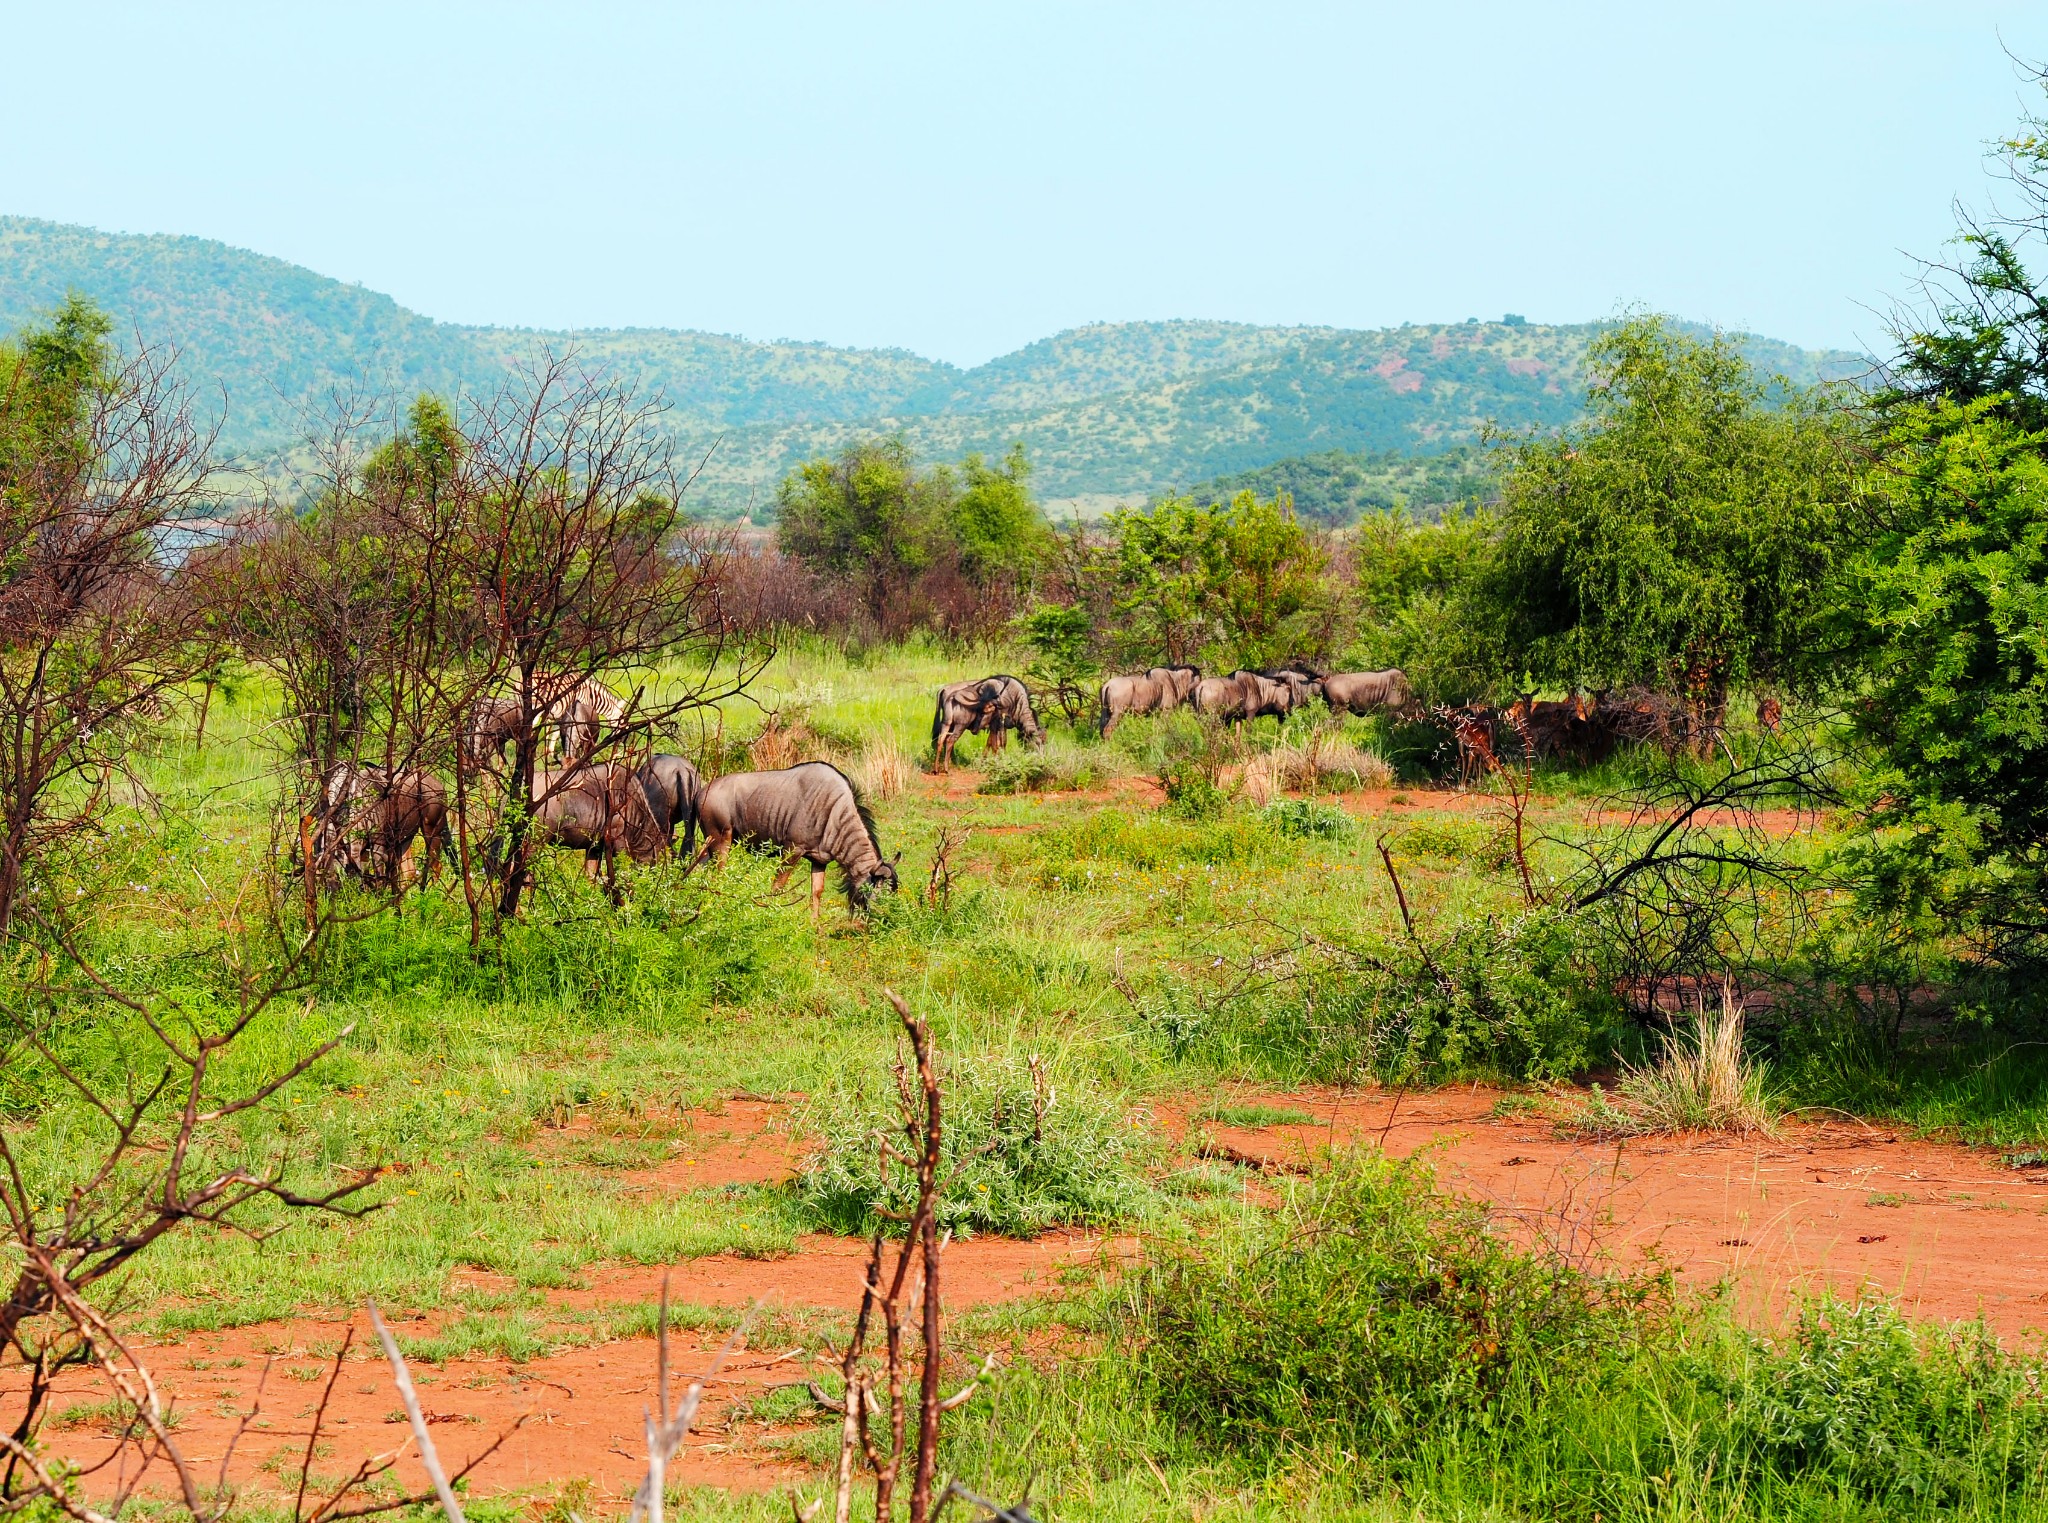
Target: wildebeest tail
{"points": [[938, 717]]}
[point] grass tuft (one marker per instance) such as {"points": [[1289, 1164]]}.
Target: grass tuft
{"points": [[1702, 1081]]}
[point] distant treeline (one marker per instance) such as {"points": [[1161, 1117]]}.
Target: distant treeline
{"points": [[1336, 488]]}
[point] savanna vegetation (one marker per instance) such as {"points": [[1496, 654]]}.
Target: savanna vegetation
{"points": [[1750, 673]]}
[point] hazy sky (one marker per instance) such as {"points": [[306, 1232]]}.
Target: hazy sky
{"points": [[961, 179]]}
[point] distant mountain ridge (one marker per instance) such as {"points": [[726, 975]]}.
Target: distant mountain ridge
{"points": [[1107, 411]]}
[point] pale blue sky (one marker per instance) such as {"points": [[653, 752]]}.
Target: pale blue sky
{"points": [[961, 179]]}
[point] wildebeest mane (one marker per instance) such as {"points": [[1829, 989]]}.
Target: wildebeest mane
{"points": [[860, 805]]}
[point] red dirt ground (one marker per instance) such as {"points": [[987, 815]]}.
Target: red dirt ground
{"points": [[1945, 1229]]}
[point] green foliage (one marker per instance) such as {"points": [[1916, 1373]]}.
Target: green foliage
{"points": [[1417, 603], [1511, 996], [1883, 1410], [1021, 1154], [48, 375], [869, 513], [1687, 536], [1371, 1310], [872, 514], [998, 529], [1232, 585], [1373, 1349], [1336, 488], [1307, 820], [1057, 766], [1061, 639], [1952, 600]]}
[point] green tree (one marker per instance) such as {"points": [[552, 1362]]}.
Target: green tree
{"points": [[1230, 584], [868, 514], [1685, 537], [1061, 638], [998, 530], [1419, 602], [1952, 597]]}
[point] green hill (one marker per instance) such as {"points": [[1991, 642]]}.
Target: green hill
{"points": [[1337, 487], [1108, 411]]}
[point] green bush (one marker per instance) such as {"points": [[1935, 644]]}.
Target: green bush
{"points": [[1305, 820], [1886, 1410], [1022, 1154], [1510, 997], [1372, 1310], [1056, 767]]}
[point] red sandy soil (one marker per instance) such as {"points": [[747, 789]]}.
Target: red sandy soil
{"points": [[1836, 1204]]}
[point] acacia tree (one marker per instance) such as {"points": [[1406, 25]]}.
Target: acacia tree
{"points": [[1686, 537], [1233, 582]]}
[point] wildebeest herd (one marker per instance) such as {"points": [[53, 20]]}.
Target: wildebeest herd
{"points": [[368, 817]]}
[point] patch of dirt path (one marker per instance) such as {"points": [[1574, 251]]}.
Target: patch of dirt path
{"points": [[583, 1406], [1947, 1230]]}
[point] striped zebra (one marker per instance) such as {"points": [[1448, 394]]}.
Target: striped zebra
{"points": [[572, 711], [579, 716]]}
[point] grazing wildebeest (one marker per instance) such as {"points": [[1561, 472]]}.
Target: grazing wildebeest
{"points": [[1369, 692], [673, 788], [990, 705], [813, 813], [371, 816], [601, 810], [1244, 696], [1156, 690]]}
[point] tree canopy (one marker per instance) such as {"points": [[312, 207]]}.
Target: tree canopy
{"points": [[1684, 537]]}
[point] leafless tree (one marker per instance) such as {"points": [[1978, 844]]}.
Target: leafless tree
{"points": [[557, 554], [97, 627]]}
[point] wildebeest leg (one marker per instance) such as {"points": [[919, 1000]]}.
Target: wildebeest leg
{"points": [[715, 847], [817, 891], [783, 877], [592, 860]]}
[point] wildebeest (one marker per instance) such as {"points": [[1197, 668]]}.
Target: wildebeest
{"points": [[813, 813], [601, 809], [370, 816], [1304, 683], [673, 788], [1244, 696], [1369, 692], [989, 705], [1157, 690]]}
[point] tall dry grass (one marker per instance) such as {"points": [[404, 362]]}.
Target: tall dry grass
{"points": [[1702, 1080], [882, 769], [1325, 761]]}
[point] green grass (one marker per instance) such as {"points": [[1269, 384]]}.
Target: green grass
{"points": [[1254, 1115], [1137, 954]]}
